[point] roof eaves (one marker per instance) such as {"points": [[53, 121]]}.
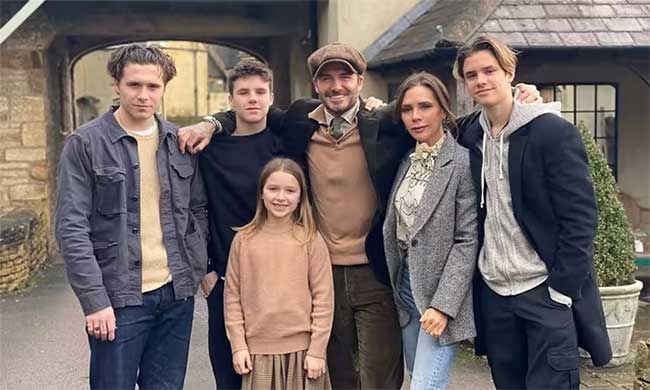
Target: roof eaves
{"points": [[394, 31], [448, 38]]}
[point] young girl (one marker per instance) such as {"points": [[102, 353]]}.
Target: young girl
{"points": [[279, 290]]}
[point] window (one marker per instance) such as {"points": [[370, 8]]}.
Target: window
{"points": [[594, 107]]}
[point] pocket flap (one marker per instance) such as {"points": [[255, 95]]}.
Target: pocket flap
{"points": [[106, 250], [184, 170], [563, 360], [109, 175]]}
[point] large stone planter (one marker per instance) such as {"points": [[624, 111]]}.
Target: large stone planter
{"points": [[620, 304]]}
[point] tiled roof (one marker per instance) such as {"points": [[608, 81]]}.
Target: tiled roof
{"points": [[520, 23]]}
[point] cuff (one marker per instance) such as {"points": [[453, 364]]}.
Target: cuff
{"points": [[94, 301]]}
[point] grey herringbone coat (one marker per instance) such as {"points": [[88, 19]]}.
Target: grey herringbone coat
{"points": [[443, 249]]}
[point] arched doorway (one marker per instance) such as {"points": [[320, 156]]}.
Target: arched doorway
{"points": [[199, 88]]}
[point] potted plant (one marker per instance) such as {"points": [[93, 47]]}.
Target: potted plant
{"points": [[613, 254]]}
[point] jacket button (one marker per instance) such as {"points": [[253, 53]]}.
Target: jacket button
{"points": [[136, 263], [134, 198], [134, 230], [136, 166], [414, 242]]}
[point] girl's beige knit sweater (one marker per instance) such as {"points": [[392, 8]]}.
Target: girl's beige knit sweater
{"points": [[279, 294]]}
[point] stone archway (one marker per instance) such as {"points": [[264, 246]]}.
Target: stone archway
{"points": [[36, 99], [199, 88]]}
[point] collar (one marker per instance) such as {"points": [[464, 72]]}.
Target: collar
{"points": [[425, 152], [349, 115], [116, 132], [324, 118]]}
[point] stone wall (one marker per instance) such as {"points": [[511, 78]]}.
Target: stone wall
{"points": [[24, 150], [23, 247], [642, 366]]}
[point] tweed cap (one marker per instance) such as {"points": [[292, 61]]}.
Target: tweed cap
{"points": [[336, 52]]}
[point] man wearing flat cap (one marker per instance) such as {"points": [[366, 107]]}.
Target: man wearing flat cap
{"points": [[351, 155]]}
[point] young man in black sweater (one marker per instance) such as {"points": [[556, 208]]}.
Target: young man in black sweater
{"points": [[231, 166]]}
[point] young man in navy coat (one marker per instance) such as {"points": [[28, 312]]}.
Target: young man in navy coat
{"points": [[536, 299]]}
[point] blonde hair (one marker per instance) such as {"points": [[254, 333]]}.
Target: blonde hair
{"points": [[302, 216], [504, 54]]}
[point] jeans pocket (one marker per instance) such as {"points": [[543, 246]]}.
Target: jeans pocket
{"points": [[552, 302]]}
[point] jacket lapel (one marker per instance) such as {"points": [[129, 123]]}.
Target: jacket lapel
{"points": [[401, 172], [368, 129], [442, 171], [516, 149], [391, 216]]}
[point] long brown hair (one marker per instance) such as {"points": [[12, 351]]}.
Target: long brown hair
{"points": [[302, 216], [439, 91]]}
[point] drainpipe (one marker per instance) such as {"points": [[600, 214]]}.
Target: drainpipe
{"points": [[19, 18], [196, 80]]}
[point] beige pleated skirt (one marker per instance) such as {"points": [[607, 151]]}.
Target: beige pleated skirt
{"points": [[282, 372]]}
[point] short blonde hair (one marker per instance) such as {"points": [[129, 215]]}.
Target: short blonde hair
{"points": [[505, 55]]}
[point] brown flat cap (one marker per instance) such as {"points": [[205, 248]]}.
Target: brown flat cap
{"points": [[336, 52]]}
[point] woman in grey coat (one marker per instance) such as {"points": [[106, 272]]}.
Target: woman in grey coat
{"points": [[430, 235]]}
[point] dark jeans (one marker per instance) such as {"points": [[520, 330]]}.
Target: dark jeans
{"points": [[150, 347], [365, 348], [218, 344], [531, 340]]}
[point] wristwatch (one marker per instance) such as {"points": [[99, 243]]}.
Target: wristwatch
{"points": [[214, 122]]}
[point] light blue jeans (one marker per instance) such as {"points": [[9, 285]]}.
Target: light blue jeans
{"points": [[427, 361]]}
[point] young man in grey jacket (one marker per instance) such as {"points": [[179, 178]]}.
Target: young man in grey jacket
{"points": [[131, 224], [537, 216]]}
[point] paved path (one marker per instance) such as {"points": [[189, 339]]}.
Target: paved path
{"points": [[43, 345]]}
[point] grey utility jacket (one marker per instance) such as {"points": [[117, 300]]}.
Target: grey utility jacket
{"points": [[98, 214]]}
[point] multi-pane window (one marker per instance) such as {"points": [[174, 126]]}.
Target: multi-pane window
{"points": [[594, 107]]}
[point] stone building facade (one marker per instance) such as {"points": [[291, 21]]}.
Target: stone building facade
{"points": [[24, 164], [36, 80]]}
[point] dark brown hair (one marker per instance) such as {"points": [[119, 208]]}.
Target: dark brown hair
{"points": [[302, 216], [505, 55], [249, 68], [138, 53], [439, 91]]}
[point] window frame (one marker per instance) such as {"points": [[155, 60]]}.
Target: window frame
{"points": [[614, 165]]}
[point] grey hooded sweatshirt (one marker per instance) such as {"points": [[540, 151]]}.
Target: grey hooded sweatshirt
{"points": [[508, 263]]}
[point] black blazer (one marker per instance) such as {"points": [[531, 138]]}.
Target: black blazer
{"points": [[554, 203], [384, 142]]}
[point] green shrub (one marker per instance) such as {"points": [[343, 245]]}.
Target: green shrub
{"points": [[614, 243]]}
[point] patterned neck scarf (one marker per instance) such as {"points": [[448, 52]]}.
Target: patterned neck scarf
{"points": [[425, 154]]}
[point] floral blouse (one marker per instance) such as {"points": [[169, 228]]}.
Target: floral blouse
{"points": [[410, 191]]}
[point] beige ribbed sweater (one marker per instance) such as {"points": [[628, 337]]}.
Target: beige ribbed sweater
{"points": [[155, 270], [279, 294]]}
